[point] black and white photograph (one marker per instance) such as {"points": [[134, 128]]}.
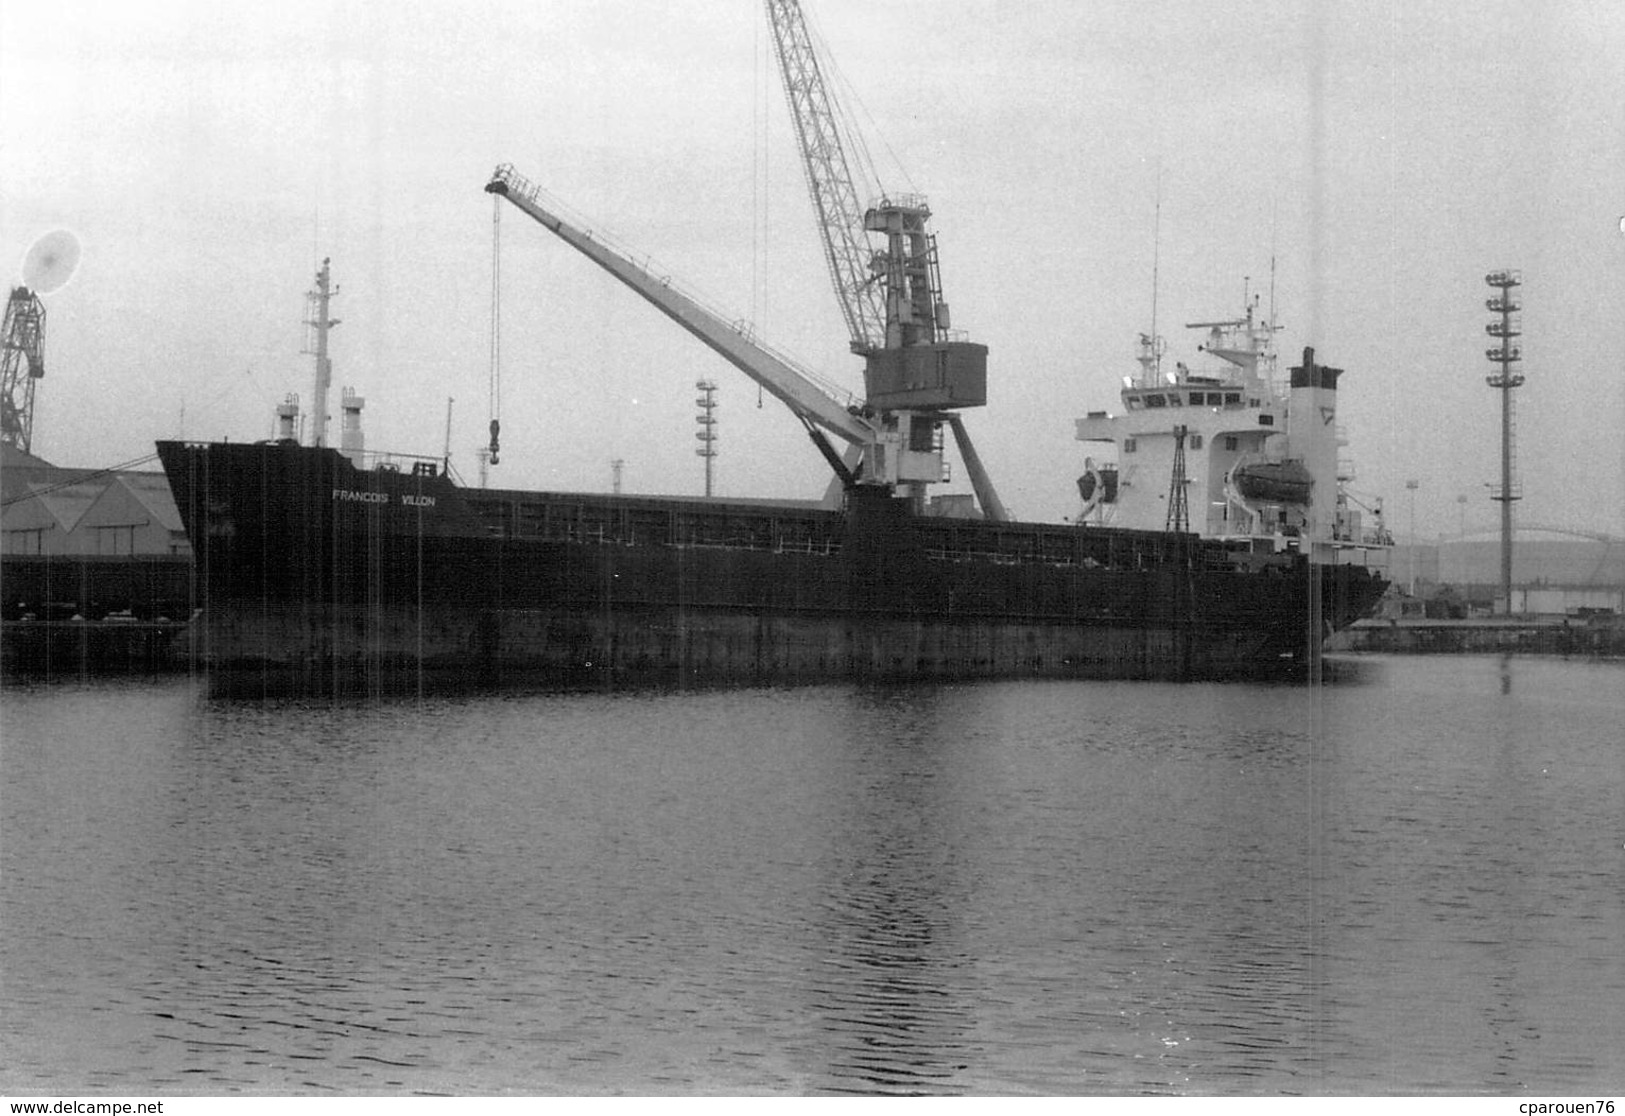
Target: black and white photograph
{"points": [[812, 549]]}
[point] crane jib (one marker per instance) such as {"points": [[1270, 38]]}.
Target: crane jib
{"points": [[786, 383]]}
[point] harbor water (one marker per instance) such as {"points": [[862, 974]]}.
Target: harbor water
{"points": [[1410, 880]]}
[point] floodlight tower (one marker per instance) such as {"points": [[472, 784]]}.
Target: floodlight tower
{"points": [[1507, 326], [707, 403]]}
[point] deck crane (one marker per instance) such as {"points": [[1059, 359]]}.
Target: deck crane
{"points": [[915, 372]]}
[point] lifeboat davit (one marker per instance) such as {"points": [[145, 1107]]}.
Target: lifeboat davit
{"points": [[1273, 482], [1097, 485]]}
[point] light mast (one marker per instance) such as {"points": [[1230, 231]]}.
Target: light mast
{"points": [[1506, 327], [707, 433]]}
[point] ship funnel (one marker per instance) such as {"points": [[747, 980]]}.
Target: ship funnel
{"points": [[352, 441], [287, 419], [1312, 432]]}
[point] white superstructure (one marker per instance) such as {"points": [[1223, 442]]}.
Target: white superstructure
{"points": [[1228, 449]]}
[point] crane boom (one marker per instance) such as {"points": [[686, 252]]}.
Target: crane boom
{"points": [[839, 213], [891, 295], [806, 399]]}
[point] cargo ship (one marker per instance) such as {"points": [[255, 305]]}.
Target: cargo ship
{"points": [[337, 569], [318, 576], [323, 568]]}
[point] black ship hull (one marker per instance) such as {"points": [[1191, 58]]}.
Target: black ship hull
{"points": [[314, 576]]}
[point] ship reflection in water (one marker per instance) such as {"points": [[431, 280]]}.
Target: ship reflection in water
{"points": [[891, 996], [1406, 881]]}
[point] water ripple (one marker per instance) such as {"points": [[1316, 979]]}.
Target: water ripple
{"points": [[1406, 883]]}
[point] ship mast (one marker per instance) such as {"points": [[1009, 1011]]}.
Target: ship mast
{"points": [[318, 324]]}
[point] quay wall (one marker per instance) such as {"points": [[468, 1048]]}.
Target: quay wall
{"points": [[55, 648], [93, 587], [76, 613], [1602, 636]]}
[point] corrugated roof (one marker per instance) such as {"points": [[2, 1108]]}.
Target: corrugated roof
{"points": [[152, 490], [68, 503]]}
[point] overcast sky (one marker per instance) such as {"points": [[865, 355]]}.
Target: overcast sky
{"points": [[1386, 156]]}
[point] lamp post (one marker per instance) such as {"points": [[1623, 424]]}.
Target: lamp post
{"points": [[1411, 486]]}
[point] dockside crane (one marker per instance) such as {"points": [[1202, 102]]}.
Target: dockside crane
{"points": [[22, 363], [915, 373], [915, 370], [47, 267]]}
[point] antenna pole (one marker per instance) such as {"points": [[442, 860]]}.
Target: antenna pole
{"points": [[447, 456], [1275, 229], [1156, 266]]}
